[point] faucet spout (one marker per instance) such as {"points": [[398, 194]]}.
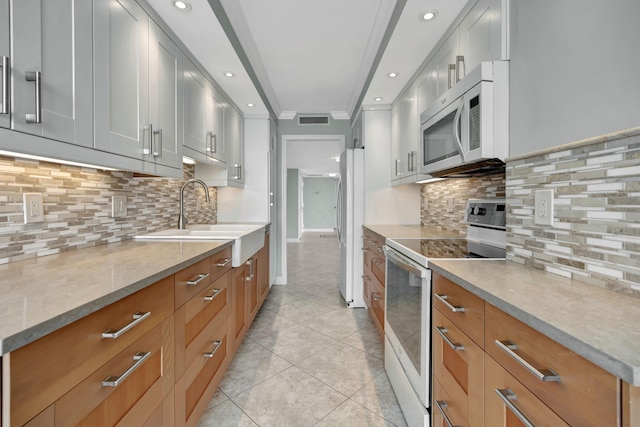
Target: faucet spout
{"points": [[182, 219]]}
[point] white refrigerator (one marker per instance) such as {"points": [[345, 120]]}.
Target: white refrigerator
{"points": [[350, 217]]}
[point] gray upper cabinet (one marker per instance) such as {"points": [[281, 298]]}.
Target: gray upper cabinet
{"points": [[137, 86], [50, 69], [121, 77], [204, 117], [404, 136], [5, 56], [165, 94], [234, 137], [482, 36]]}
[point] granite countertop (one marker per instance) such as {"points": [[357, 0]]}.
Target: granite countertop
{"points": [[598, 324], [405, 231], [41, 295]]}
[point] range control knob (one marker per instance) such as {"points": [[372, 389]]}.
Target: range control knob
{"points": [[472, 210], [482, 211]]}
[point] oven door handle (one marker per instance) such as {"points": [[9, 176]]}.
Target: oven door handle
{"points": [[404, 262]]}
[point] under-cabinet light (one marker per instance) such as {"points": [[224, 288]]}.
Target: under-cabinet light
{"points": [[188, 160], [52, 160]]}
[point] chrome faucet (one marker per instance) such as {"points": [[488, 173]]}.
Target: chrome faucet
{"points": [[182, 220]]}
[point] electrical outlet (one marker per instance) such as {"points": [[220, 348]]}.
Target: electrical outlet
{"points": [[119, 206], [33, 208], [543, 211]]}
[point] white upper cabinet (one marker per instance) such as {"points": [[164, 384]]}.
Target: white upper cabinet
{"points": [[404, 136], [482, 35], [234, 137], [204, 117], [129, 92], [46, 54]]}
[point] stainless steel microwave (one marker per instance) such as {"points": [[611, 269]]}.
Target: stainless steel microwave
{"points": [[468, 126]]}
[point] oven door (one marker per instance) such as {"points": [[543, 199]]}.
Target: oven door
{"points": [[407, 319]]}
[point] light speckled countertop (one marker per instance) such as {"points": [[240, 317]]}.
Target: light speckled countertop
{"points": [[600, 325], [41, 295], [410, 231]]}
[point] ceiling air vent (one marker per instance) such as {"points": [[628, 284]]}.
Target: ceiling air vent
{"points": [[313, 120]]}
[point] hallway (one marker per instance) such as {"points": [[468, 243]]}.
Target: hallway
{"points": [[307, 360]]}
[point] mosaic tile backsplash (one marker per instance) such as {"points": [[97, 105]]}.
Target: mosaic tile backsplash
{"points": [[595, 237], [443, 203], [77, 207]]}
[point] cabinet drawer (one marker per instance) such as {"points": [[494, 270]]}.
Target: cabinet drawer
{"points": [[44, 370], [524, 403], [199, 318], [460, 306], [191, 281], [376, 305], [200, 380], [584, 394], [220, 262], [458, 367], [131, 398], [445, 411]]}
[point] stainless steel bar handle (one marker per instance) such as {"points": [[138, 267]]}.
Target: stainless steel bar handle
{"points": [[508, 396], [157, 148], [239, 172], [442, 405], [442, 331], [4, 108], [137, 318], [397, 168], [451, 76], [214, 143], [250, 264], [216, 346], [224, 263], [211, 297], [197, 279], [375, 296], [209, 142], [460, 70], [544, 375], [409, 162], [35, 76], [443, 298], [146, 151], [139, 358]]}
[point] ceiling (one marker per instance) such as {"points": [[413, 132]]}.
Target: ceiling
{"points": [[306, 56]]}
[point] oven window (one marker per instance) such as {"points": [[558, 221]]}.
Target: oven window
{"points": [[404, 310], [438, 140]]}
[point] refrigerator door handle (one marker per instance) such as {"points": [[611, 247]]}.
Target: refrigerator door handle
{"points": [[339, 212]]}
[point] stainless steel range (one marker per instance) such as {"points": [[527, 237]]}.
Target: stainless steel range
{"points": [[408, 299]]}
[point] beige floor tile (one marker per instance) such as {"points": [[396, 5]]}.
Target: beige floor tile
{"points": [[297, 343], [290, 398], [343, 368], [368, 340], [378, 397], [226, 414], [218, 398], [268, 322], [251, 365], [353, 415]]}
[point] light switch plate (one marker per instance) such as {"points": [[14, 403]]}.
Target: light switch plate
{"points": [[33, 208], [543, 210], [119, 206]]}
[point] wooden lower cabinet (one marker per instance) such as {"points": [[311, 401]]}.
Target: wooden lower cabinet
{"points": [[154, 358], [373, 277]]}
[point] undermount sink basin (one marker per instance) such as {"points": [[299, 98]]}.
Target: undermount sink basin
{"points": [[247, 238]]}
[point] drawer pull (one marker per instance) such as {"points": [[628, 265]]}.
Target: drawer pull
{"points": [[442, 405], [376, 261], [197, 279], [216, 346], [375, 296], [444, 298], [442, 331], [545, 375], [211, 297], [137, 318], [224, 263], [507, 396], [139, 358]]}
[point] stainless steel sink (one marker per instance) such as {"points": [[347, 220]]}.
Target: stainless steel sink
{"points": [[247, 238]]}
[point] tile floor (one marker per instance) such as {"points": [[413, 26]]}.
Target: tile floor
{"points": [[307, 360]]}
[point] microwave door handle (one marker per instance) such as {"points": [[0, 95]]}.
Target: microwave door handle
{"points": [[456, 128]]}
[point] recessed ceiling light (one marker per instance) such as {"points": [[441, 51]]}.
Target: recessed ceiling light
{"points": [[392, 74], [181, 5], [229, 74], [250, 105], [378, 99], [428, 15]]}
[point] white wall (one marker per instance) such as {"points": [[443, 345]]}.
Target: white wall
{"points": [[385, 204], [574, 73]]}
